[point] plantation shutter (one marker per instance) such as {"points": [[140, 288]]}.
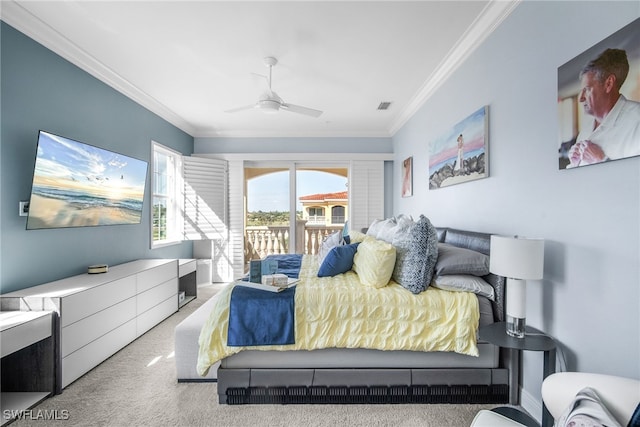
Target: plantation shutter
{"points": [[205, 199], [236, 217], [366, 193]]}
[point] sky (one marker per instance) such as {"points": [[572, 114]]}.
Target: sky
{"points": [[66, 164], [271, 192]]}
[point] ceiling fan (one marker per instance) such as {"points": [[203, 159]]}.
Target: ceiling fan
{"points": [[270, 102]]}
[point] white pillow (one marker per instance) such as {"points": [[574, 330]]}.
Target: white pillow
{"points": [[464, 283], [388, 228], [401, 225], [376, 226], [329, 242]]}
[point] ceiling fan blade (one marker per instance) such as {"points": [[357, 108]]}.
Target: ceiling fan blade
{"points": [[246, 107], [301, 110]]}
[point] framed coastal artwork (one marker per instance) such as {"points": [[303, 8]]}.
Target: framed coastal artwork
{"points": [[407, 177], [461, 154], [599, 101]]}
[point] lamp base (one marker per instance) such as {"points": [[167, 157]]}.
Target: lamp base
{"points": [[515, 326]]}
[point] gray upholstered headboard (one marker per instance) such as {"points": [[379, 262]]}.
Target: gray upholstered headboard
{"points": [[479, 242]]}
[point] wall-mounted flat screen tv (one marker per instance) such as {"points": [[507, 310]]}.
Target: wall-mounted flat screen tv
{"points": [[79, 185]]}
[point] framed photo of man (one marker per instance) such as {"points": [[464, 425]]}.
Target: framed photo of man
{"points": [[599, 101]]}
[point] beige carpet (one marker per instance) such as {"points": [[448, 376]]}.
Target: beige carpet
{"points": [[137, 387]]}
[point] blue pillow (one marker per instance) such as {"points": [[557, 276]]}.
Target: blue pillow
{"points": [[338, 260]]}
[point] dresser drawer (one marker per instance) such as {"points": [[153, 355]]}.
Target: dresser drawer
{"points": [[154, 276], [155, 296], [157, 314], [83, 304], [186, 266], [90, 328], [82, 361]]}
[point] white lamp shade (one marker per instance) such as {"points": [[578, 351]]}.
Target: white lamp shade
{"points": [[517, 257]]}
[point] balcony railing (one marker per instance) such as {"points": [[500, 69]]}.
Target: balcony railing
{"points": [[316, 220], [266, 240]]}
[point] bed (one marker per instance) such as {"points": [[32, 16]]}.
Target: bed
{"points": [[461, 370]]}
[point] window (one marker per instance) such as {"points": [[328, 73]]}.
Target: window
{"points": [[315, 212], [337, 215], [166, 184]]}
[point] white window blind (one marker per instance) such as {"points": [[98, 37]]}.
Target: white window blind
{"points": [[205, 199], [236, 217], [366, 192]]}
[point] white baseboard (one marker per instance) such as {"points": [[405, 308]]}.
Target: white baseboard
{"points": [[532, 405]]}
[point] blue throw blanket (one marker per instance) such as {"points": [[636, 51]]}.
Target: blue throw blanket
{"points": [[258, 317], [288, 264]]}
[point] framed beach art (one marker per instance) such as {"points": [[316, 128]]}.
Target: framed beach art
{"points": [[79, 185], [599, 101], [407, 177], [461, 153]]}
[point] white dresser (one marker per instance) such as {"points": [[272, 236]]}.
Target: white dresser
{"points": [[101, 313]]}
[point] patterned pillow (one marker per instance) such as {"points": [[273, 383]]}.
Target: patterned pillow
{"points": [[416, 255]]}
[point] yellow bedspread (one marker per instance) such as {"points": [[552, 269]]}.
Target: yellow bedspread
{"points": [[340, 312]]}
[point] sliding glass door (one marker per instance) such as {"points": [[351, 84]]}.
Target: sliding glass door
{"points": [[268, 216], [290, 208], [322, 202]]}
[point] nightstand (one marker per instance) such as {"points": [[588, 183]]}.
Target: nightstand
{"points": [[534, 340]]}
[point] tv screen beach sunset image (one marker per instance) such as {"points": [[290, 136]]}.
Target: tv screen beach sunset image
{"points": [[77, 184]]}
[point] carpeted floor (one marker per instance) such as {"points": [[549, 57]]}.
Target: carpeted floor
{"points": [[137, 387]]}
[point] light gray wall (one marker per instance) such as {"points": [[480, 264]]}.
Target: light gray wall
{"points": [[589, 216], [40, 90], [292, 145]]}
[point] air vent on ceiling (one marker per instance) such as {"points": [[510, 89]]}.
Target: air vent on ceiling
{"points": [[384, 105]]}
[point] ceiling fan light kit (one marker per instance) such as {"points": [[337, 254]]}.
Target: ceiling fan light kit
{"points": [[269, 106], [271, 103]]}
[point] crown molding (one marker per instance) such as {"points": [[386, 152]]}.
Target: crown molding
{"points": [[298, 157], [491, 17], [24, 21], [279, 133]]}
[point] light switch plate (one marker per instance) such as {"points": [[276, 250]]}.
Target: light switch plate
{"points": [[23, 208]]}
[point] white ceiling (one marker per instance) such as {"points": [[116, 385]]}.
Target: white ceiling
{"points": [[190, 61]]}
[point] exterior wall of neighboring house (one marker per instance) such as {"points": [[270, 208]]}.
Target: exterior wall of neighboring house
{"points": [[325, 209]]}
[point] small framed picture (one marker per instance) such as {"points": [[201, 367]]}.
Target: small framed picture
{"points": [[407, 177], [461, 153]]}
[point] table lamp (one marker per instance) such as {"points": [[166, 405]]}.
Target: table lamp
{"points": [[518, 259]]}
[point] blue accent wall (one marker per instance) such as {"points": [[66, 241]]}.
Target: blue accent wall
{"points": [[41, 90]]}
